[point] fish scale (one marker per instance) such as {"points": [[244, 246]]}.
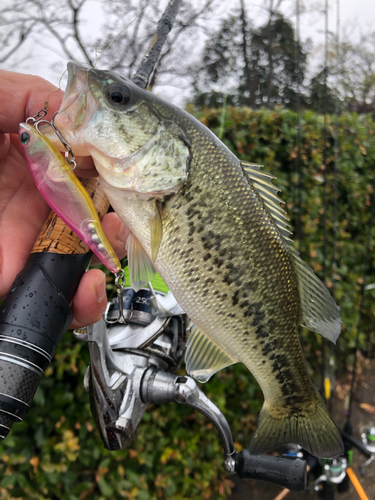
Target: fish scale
{"points": [[213, 228], [238, 281]]}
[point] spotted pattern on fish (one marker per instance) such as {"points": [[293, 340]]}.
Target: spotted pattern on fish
{"points": [[246, 281]]}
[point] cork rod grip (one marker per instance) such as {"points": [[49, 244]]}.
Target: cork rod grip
{"points": [[57, 237]]}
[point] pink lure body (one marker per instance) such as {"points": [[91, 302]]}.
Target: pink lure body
{"points": [[64, 193]]}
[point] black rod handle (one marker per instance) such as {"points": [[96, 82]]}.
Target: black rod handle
{"points": [[36, 312], [289, 473], [33, 320]]}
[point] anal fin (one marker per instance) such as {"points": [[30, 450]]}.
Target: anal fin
{"points": [[319, 311], [203, 357]]}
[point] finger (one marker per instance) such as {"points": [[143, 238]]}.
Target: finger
{"points": [[90, 299], [23, 96], [117, 234], [85, 167]]}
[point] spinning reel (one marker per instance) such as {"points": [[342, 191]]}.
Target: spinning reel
{"points": [[133, 364]]}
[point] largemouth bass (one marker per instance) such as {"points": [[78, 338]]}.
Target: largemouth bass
{"points": [[212, 226], [64, 193]]}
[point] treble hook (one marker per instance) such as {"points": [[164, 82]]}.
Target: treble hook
{"points": [[69, 155], [120, 285]]}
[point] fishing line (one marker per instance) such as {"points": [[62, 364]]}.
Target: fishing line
{"points": [[325, 182], [61, 77], [298, 198], [366, 266], [336, 156], [325, 179], [332, 347], [46, 102], [225, 95]]}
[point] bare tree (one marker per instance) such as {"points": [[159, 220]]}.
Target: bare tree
{"points": [[126, 30], [351, 75], [43, 20], [355, 70]]}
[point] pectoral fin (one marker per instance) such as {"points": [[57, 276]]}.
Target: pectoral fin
{"points": [[203, 357], [140, 267]]}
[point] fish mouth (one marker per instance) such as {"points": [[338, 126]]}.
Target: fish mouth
{"points": [[78, 105]]}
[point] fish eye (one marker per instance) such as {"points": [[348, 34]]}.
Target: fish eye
{"points": [[119, 95], [25, 137]]}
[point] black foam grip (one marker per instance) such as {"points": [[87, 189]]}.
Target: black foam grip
{"points": [[286, 472], [33, 319]]}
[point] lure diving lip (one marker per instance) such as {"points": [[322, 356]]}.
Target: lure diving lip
{"points": [[64, 193]]}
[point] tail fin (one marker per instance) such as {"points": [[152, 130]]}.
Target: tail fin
{"points": [[316, 433]]}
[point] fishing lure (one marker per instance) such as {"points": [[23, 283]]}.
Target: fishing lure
{"points": [[62, 190]]}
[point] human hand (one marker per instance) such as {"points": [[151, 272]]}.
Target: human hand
{"points": [[23, 210]]}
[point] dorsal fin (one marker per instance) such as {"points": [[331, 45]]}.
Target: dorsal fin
{"points": [[268, 192], [203, 357], [319, 311]]}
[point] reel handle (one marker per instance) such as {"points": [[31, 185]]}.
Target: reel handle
{"points": [[36, 312], [286, 472]]}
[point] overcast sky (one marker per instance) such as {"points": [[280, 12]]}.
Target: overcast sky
{"points": [[358, 14]]}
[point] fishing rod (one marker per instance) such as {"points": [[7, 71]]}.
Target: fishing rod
{"points": [[338, 472], [325, 381], [366, 264], [298, 197], [132, 363], [334, 474]]}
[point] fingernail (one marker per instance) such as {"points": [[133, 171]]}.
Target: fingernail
{"points": [[100, 289], [123, 234]]}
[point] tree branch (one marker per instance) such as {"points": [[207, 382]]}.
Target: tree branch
{"points": [[23, 36], [76, 34], [58, 37]]}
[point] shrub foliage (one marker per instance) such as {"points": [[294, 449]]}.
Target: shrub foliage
{"points": [[57, 454]]}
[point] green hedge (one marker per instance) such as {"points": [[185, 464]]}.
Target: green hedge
{"points": [[57, 454], [270, 138]]}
